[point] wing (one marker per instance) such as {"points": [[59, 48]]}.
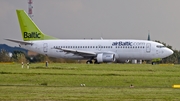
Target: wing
{"points": [[78, 52], [21, 42]]}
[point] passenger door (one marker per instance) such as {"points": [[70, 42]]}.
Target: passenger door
{"points": [[148, 47]]}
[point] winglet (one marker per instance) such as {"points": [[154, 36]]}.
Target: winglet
{"points": [[29, 29]]}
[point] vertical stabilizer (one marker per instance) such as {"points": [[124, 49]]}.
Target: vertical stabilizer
{"points": [[29, 29]]}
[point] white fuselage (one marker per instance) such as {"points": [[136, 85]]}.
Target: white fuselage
{"points": [[123, 49]]}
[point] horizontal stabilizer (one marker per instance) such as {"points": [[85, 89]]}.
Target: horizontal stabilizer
{"points": [[19, 41]]}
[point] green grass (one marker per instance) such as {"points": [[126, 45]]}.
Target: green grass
{"points": [[103, 82]]}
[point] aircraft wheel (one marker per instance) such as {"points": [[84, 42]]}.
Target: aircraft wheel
{"points": [[89, 62], [96, 62], [153, 63]]}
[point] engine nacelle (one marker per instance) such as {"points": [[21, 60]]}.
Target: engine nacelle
{"points": [[106, 57]]}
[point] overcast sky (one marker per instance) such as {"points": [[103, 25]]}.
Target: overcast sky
{"points": [[111, 19]]}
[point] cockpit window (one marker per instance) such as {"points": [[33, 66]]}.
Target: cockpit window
{"points": [[160, 46]]}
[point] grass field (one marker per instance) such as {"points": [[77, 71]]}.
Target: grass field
{"points": [[103, 82]]}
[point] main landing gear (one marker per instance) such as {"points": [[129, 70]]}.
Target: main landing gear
{"points": [[91, 62]]}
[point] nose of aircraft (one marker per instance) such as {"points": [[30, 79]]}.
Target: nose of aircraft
{"points": [[169, 52]]}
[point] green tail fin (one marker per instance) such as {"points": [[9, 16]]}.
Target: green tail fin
{"points": [[29, 29]]}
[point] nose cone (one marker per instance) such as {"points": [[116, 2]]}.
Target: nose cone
{"points": [[169, 52]]}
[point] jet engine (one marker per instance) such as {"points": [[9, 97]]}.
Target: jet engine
{"points": [[106, 57]]}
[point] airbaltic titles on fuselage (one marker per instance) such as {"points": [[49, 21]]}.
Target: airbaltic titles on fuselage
{"points": [[128, 43], [32, 35]]}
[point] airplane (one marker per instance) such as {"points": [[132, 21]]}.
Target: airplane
{"points": [[94, 51]]}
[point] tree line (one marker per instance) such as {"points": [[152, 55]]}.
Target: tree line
{"points": [[19, 56]]}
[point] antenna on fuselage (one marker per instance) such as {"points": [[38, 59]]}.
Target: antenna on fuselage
{"points": [[149, 36], [101, 37]]}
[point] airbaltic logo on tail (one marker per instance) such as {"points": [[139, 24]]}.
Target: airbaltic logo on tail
{"points": [[32, 35]]}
